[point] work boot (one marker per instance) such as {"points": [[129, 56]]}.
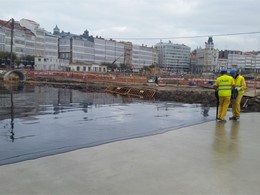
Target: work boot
{"points": [[222, 120], [234, 118]]}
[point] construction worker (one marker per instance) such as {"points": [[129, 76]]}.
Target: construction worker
{"points": [[223, 84], [240, 87]]}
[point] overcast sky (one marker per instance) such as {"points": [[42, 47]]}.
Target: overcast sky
{"points": [[148, 21]]}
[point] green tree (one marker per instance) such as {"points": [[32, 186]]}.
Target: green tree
{"points": [[5, 58]]}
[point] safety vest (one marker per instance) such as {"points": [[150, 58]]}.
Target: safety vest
{"points": [[224, 84], [240, 82]]}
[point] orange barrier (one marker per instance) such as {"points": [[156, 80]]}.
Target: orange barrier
{"points": [[83, 76]]}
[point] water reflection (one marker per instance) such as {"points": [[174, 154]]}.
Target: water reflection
{"points": [[12, 117], [226, 144], [205, 110], [226, 152], [49, 120]]}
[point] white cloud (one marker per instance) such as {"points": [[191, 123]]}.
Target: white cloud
{"points": [[147, 19]]}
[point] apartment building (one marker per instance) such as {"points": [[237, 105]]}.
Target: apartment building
{"points": [[108, 51], [39, 35], [248, 62], [23, 39], [143, 56], [76, 48], [80, 50], [50, 45], [173, 57]]}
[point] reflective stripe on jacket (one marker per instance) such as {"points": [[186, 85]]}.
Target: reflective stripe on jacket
{"points": [[224, 84]]}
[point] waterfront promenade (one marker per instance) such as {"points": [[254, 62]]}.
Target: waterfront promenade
{"points": [[208, 158]]}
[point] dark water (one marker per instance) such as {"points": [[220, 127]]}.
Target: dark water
{"points": [[38, 121]]}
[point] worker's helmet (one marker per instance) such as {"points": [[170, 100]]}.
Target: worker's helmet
{"points": [[223, 70], [232, 72]]}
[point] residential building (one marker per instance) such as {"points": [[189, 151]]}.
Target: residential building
{"points": [[23, 39], [143, 56], [75, 48], [39, 36], [248, 62], [173, 57], [108, 51], [50, 45]]}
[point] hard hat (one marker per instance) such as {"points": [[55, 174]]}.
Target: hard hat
{"points": [[223, 70], [232, 72]]}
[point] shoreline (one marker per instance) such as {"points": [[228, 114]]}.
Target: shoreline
{"points": [[168, 92]]}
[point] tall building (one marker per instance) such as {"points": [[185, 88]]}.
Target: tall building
{"points": [[39, 35], [207, 58], [173, 57], [244, 62], [143, 56], [75, 48], [23, 39], [108, 51]]}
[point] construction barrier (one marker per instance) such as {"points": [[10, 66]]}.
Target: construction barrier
{"points": [[88, 76]]}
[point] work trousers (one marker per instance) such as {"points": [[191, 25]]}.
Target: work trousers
{"points": [[236, 105], [224, 102]]}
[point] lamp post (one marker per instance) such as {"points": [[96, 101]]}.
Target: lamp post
{"points": [[12, 38]]}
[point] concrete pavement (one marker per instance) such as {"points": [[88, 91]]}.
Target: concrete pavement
{"points": [[209, 158]]}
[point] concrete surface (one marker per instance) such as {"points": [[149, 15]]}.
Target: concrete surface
{"points": [[209, 158]]}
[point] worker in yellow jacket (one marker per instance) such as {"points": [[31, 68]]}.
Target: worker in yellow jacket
{"points": [[240, 87], [223, 85]]}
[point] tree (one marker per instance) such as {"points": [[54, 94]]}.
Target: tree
{"points": [[5, 58]]}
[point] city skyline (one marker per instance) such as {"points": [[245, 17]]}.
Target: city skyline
{"points": [[149, 22]]}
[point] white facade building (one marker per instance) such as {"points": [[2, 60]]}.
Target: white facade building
{"points": [[76, 49], [23, 39], [51, 64], [50, 46], [143, 56], [88, 68], [39, 36], [108, 51], [174, 57], [244, 62], [207, 58]]}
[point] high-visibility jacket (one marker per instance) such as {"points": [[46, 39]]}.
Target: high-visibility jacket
{"points": [[240, 82], [224, 84]]}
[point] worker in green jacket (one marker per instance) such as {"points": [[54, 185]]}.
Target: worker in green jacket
{"points": [[240, 87], [223, 85]]}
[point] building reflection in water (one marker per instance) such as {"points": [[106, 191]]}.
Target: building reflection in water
{"points": [[11, 89]]}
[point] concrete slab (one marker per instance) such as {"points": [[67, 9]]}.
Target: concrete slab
{"points": [[209, 158]]}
